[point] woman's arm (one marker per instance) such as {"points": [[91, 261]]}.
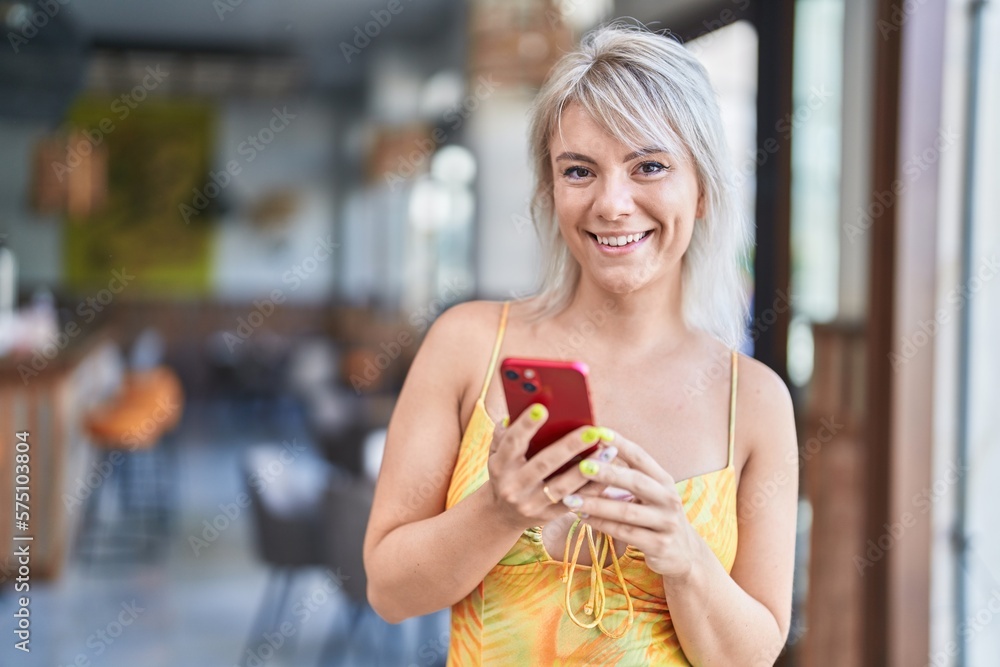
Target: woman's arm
{"points": [[420, 558], [740, 618], [744, 617], [424, 566]]}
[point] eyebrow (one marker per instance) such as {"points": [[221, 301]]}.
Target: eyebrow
{"points": [[579, 157]]}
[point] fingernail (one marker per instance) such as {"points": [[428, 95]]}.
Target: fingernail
{"points": [[536, 412], [607, 454], [505, 422], [573, 501], [606, 434], [614, 493], [590, 435], [589, 467]]}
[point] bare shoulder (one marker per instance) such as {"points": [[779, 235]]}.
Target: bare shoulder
{"points": [[460, 338], [465, 324], [764, 410], [469, 314], [762, 388]]}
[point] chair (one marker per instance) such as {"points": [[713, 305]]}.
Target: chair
{"points": [[129, 431], [346, 509], [287, 510], [347, 506]]}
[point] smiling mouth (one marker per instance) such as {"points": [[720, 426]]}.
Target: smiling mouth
{"points": [[621, 239]]}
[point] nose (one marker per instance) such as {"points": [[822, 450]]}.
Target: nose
{"points": [[614, 199]]}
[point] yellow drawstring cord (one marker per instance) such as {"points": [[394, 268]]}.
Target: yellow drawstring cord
{"points": [[596, 603]]}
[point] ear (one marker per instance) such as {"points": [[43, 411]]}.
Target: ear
{"points": [[700, 211]]}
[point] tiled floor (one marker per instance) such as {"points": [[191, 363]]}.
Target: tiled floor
{"points": [[198, 610]]}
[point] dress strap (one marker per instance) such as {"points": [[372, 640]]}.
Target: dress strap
{"points": [[732, 408], [496, 350]]}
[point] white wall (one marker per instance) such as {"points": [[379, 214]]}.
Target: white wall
{"points": [[508, 262], [249, 262], [977, 621], [984, 420]]}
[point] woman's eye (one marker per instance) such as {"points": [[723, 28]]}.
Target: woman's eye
{"points": [[577, 172], [651, 168]]}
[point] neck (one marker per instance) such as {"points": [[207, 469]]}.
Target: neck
{"points": [[641, 321]]}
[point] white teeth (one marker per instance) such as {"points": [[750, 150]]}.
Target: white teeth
{"points": [[616, 241]]}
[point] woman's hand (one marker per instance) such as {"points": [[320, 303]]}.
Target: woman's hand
{"points": [[518, 484], [653, 521]]}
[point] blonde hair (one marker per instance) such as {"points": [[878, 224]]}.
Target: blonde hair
{"points": [[646, 89]]}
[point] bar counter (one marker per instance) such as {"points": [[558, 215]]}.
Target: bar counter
{"points": [[47, 397]]}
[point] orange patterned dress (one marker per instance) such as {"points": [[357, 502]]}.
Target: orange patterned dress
{"points": [[518, 614]]}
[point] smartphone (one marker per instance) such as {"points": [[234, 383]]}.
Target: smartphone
{"points": [[561, 386]]}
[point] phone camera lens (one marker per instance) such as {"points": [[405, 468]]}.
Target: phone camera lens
{"points": [[511, 375], [530, 387]]}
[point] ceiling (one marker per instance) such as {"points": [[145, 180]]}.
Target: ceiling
{"points": [[265, 24], [244, 23], [689, 18], [314, 29]]}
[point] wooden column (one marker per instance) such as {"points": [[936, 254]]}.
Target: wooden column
{"points": [[898, 433], [832, 452]]}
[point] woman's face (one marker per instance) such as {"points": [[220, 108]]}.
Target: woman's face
{"points": [[626, 215]]}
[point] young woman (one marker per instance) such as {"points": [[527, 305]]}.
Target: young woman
{"points": [[689, 505]]}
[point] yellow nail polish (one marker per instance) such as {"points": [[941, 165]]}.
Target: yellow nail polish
{"points": [[505, 422], [536, 412], [590, 435], [589, 467], [607, 435]]}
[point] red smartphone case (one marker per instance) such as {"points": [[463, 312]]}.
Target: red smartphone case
{"points": [[561, 386]]}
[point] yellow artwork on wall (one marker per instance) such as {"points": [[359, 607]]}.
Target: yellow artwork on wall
{"points": [[158, 152]]}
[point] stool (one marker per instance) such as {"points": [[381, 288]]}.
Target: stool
{"points": [[129, 434]]}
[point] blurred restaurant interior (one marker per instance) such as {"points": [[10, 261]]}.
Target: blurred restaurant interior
{"points": [[225, 227]]}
